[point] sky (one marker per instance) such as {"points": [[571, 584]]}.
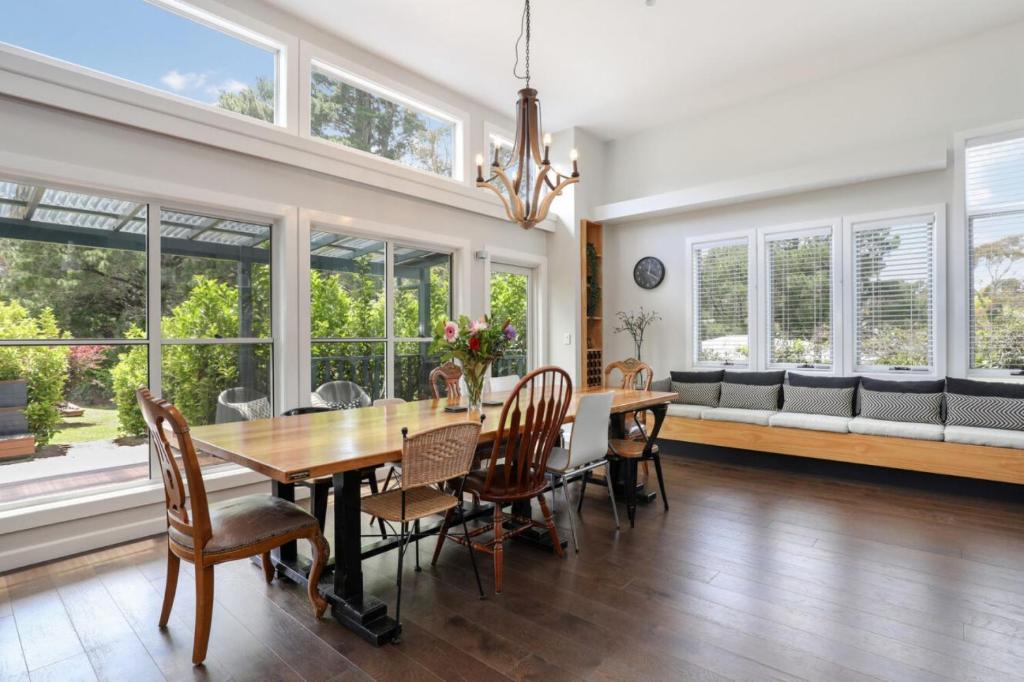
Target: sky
{"points": [[137, 41]]}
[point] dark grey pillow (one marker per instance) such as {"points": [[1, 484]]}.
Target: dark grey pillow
{"points": [[833, 402], [750, 396], [697, 394], [707, 377], [755, 378], [985, 411], [994, 389], [818, 381], [937, 386], [918, 408]]}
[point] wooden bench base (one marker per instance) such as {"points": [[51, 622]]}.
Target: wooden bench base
{"points": [[13, 447], [936, 457]]}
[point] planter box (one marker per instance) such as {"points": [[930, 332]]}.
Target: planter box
{"points": [[16, 447], [14, 393]]}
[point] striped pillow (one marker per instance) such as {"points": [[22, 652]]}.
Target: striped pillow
{"points": [[697, 394], [917, 408], [989, 412], [750, 396], [835, 402]]}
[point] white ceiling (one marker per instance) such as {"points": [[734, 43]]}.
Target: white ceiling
{"points": [[618, 66]]}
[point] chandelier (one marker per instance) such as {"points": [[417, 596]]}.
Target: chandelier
{"points": [[526, 183]]}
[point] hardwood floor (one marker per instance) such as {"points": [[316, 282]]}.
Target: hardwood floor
{"points": [[754, 574]]}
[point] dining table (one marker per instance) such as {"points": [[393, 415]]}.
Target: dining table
{"points": [[342, 445]]}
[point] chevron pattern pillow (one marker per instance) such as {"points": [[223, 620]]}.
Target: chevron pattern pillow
{"points": [[989, 412], [697, 394], [750, 396], [918, 408], [835, 402]]}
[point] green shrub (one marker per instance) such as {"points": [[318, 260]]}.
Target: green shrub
{"points": [[130, 372]]}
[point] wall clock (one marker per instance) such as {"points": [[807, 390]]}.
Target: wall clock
{"points": [[648, 272]]}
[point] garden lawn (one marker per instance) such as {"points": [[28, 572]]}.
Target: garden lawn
{"points": [[95, 424]]}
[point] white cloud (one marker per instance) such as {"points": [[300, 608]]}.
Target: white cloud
{"points": [[230, 85], [179, 82]]}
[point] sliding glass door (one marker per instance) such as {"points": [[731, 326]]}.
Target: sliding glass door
{"points": [[512, 300]]}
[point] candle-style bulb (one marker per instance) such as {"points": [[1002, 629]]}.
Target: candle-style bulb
{"points": [[574, 155], [547, 139], [479, 159]]}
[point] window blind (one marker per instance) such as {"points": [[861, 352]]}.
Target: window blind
{"points": [[721, 303], [894, 275], [995, 204], [799, 299]]}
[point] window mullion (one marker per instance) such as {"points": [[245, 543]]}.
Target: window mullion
{"points": [[153, 307], [390, 347]]}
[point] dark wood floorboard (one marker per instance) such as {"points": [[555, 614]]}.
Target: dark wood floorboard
{"points": [[757, 573]]}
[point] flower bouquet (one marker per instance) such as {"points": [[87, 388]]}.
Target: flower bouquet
{"points": [[476, 344]]}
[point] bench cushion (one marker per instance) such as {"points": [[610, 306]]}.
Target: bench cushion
{"points": [[736, 414], [974, 435], [882, 427], [814, 422], [688, 411]]}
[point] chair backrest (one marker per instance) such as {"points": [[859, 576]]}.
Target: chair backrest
{"points": [[589, 440], [439, 454], [384, 402], [187, 511], [531, 422], [502, 384], [231, 404], [344, 393], [296, 411], [634, 374], [449, 374]]}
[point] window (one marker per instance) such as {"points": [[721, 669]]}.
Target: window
{"points": [[370, 330], [894, 280], [995, 226], [511, 299], [799, 307], [179, 52], [352, 112], [721, 298]]}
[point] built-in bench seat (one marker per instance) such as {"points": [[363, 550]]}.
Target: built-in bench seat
{"points": [[737, 414], [974, 435], [882, 427], [813, 422]]}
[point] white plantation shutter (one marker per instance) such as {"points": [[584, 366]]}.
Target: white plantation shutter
{"points": [[799, 287], [894, 294], [721, 302], [994, 177]]}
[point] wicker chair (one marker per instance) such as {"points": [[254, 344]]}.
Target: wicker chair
{"points": [[450, 376], [345, 393], [231, 402], [428, 458], [207, 535], [530, 423]]}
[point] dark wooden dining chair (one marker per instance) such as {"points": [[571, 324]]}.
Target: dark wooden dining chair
{"points": [[529, 427], [209, 534], [448, 375], [428, 458]]}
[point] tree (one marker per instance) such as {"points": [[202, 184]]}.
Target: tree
{"points": [[998, 324], [256, 102]]}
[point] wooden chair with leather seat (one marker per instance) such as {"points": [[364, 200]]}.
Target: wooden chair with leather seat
{"points": [[206, 534], [429, 458], [633, 374], [448, 375], [529, 427]]}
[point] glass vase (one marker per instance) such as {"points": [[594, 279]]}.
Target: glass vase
{"points": [[475, 374]]}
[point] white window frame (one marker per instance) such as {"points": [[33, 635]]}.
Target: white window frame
{"points": [[494, 132], [26, 514], [831, 227], [378, 84], [493, 256], [938, 214], [961, 277], [691, 327], [309, 221]]}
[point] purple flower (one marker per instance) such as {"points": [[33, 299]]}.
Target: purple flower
{"points": [[510, 332]]}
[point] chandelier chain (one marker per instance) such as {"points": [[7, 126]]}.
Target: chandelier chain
{"points": [[524, 29]]}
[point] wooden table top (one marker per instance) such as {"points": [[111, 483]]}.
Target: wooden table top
{"points": [[289, 449]]}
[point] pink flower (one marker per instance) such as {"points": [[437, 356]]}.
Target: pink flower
{"points": [[477, 326], [451, 331]]}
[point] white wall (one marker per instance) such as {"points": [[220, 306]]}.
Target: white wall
{"points": [[958, 86], [665, 237]]}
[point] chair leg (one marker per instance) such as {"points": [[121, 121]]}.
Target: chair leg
{"points": [[204, 612], [611, 493], [372, 480], [403, 545], [268, 567], [632, 465], [416, 530], [442, 535], [170, 586], [472, 554], [499, 547], [549, 521], [661, 479], [321, 552], [583, 492], [568, 510]]}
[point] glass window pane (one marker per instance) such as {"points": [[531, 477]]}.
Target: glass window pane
{"points": [[361, 363], [148, 45], [722, 304], [346, 286], [215, 277], [72, 411], [413, 364], [71, 264], [352, 116], [510, 300], [800, 300], [423, 297], [997, 289]]}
